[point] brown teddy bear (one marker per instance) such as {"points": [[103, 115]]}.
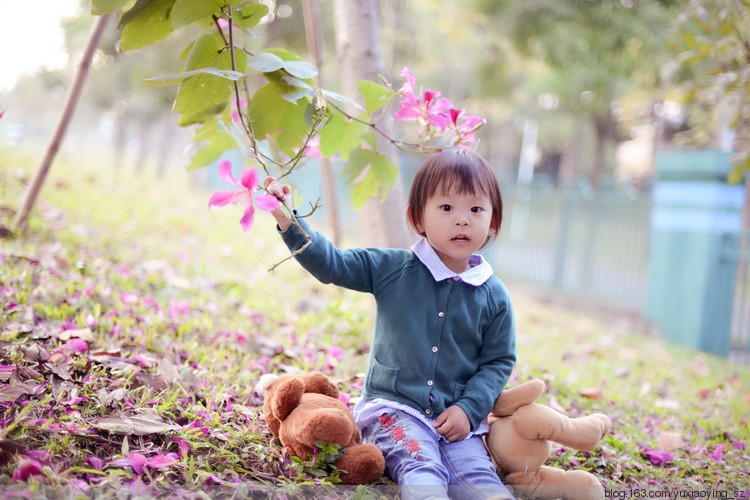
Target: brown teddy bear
{"points": [[303, 409], [519, 443]]}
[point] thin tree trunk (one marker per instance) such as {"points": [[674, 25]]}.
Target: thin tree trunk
{"points": [[22, 217], [313, 33], [360, 58]]}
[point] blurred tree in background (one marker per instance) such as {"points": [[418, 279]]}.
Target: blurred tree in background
{"points": [[593, 74]]}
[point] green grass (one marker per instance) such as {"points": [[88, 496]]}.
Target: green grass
{"points": [[181, 317]]}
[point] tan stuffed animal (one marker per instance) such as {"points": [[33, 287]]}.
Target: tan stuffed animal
{"points": [[303, 409], [519, 443]]}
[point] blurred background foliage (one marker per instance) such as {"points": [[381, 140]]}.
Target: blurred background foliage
{"points": [[608, 81]]}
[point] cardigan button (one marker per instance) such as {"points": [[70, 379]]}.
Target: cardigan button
{"points": [[428, 411], [450, 281], [434, 348], [441, 314], [429, 382]]}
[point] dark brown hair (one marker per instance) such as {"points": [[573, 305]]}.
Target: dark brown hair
{"points": [[454, 170]]}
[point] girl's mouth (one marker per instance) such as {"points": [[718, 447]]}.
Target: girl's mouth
{"points": [[460, 238]]}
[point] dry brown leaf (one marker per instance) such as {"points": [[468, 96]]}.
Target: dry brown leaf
{"points": [[669, 441], [83, 334], [140, 425], [167, 370], [591, 392]]}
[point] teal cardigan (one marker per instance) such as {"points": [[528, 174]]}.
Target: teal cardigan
{"points": [[436, 344]]}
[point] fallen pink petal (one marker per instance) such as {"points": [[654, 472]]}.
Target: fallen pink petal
{"points": [[95, 462], [76, 345], [26, 468], [160, 461], [134, 460], [717, 454], [658, 457]]}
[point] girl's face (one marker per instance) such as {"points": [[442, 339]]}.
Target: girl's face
{"points": [[456, 226]]}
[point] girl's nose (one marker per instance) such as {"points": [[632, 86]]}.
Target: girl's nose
{"points": [[462, 220]]}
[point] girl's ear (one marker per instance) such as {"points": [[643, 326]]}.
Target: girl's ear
{"points": [[493, 231], [410, 220]]}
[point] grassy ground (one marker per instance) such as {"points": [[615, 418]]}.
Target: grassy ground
{"points": [[130, 305]]}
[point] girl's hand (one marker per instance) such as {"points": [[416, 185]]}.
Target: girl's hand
{"points": [[453, 423], [283, 193]]}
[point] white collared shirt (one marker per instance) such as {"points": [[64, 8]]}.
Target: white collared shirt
{"points": [[479, 273]]}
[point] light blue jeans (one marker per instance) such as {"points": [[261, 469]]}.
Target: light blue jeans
{"points": [[426, 467]]}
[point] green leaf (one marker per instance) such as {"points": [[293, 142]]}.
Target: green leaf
{"points": [[233, 134], [188, 11], [301, 69], [351, 137], [296, 96], [379, 176], [296, 82], [202, 115], [249, 15], [147, 22], [206, 90], [385, 172], [376, 96], [359, 160], [99, 7], [179, 77], [331, 135], [371, 139], [273, 115], [213, 144], [335, 96], [265, 62]]}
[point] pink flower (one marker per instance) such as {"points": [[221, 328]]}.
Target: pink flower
{"points": [[336, 352], [97, 463], [134, 460], [26, 468], [658, 457], [435, 111], [344, 398], [468, 124], [160, 461], [716, 456], [76, 345], [248, 183]]}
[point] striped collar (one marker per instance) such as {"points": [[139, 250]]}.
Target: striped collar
{"points": [[479, 273]]}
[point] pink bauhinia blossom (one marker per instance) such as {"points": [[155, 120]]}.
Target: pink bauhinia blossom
{"points": [[248, 184], [435, 111], [464, 125], [431, 108]]}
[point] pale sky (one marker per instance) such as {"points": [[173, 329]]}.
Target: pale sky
{"points": [[31, 36]]}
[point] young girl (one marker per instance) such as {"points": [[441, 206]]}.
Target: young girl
{"points": [[444, 342]]}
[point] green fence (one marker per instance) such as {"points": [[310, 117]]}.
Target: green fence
{"points": [[578, 241]]}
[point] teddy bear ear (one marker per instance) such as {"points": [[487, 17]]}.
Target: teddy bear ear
{"points": [[286, 396], [511, 400], [319, 383]]}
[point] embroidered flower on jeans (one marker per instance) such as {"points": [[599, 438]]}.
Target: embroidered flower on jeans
{"points": [[386, 421]]}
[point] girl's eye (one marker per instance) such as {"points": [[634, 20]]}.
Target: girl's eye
{"points": [[446, 208], [477, 210]]}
